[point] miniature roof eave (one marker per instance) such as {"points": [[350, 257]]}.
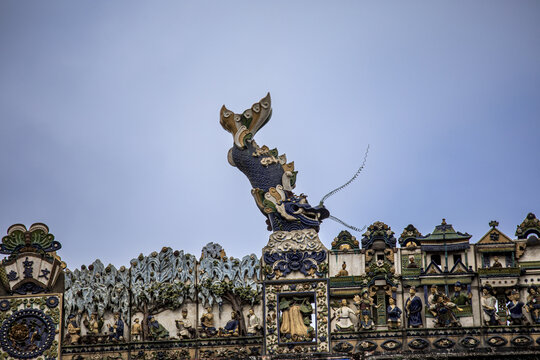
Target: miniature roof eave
{"points": [[444, 233], [448, 237]]}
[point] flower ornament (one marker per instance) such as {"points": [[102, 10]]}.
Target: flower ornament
{"points": [[52, 302], [5, 305]]}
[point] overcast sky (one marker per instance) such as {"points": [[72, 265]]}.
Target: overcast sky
{"points": [[109, 117]]}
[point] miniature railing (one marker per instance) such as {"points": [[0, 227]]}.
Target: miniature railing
{"points": [[410, 271], [345, 281], [502, 271], [467, 342], [529, 264]]}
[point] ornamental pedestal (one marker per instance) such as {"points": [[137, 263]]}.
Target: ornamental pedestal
{"points": [[295, 284], [32, 288]]}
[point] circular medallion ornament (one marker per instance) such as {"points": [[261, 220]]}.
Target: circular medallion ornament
{"points": [[4, 305], [522, 341], [365, 345], [469, 342], [391, 345], [497, 341], [52, 302], [444, 343], [27, 333], [418, 344], [343, 347]]}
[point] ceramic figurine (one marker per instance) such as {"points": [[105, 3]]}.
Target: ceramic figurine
{"points": [[116, 330], [231, 328], [412, 264], [74, 331], [443, 311], [459, 298], [254, 323], [296, 313], [393, 314], [489, 307], [533, 304], [364, 305], [94, 324], [515, 309], [496, 263], [413, 309], [366, 323], [207, 322], [344, 317], [433, 291], [136, 330], [157, 331], [343, 271], [184, 327]]}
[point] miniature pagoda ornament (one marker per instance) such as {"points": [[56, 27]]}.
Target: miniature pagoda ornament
{"points": [[271, 177]]}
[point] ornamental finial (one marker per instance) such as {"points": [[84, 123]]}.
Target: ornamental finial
{"points": [[493, 224]]}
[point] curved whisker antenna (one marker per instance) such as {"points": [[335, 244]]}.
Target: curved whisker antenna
{"points": [[347, 225], [348, 182]]}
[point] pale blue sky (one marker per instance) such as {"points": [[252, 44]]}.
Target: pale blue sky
{"points": [[109, 116]]}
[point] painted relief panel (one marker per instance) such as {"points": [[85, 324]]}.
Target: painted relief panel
{"points": [[30, 327]]}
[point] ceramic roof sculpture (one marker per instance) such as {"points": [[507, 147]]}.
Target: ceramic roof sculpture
{"points": [[271, 177]]}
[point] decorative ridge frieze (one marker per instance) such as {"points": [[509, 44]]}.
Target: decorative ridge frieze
{"points": [[285, 241]]}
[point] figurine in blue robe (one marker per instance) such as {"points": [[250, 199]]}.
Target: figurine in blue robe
{"points": [[515, 309], [231, 328], [413, 308], [393, 314], [116, 331]]}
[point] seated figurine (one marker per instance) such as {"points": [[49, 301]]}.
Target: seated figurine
{"points": [[207, 323], [156, 330], [366, 323], [73, 331], [343, 271], [94, 326], [231, 328], [116, 330], [254, 323], [184, 327]]}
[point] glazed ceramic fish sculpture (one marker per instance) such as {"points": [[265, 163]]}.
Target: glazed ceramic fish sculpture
{"points": [[271, 177]]}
